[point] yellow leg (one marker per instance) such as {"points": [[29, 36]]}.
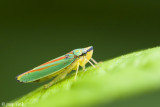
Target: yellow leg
{"points": [[62, 75], [94, 61], [84, 68], [59, 77], [90, 63], [77, 71]]}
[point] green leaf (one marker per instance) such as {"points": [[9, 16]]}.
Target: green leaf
{"points": [[119, 78]]}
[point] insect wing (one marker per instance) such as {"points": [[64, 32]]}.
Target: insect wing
{"points": [[47, 68]]}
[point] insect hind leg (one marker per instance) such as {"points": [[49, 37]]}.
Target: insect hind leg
{"points": [[61, 75]]}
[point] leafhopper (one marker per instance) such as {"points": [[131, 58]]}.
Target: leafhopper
{"points": [[59, 67]]}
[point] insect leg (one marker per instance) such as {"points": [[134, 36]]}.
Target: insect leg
{"points": [[77, 71], [94, 61], [90, 62], [84, 68], [61, 75]]}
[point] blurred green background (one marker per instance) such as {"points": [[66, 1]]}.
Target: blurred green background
{"points": [[33, 32]]}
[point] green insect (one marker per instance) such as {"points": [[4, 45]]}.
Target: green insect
{"points": [[59, 67]]}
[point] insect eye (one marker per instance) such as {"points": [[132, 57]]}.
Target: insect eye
{"points": [[77, 52]]}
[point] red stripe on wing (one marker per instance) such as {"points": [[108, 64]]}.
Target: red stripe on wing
{"points": [[33, 70], [38, 69], [53, 60]]}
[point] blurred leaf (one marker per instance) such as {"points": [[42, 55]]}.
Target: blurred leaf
{"points": [[119, 78]]}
